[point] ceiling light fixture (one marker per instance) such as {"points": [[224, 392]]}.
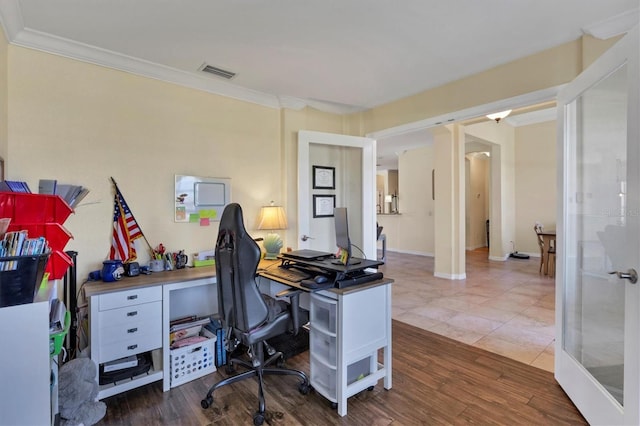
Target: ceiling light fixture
{"points": [[498, 115]]}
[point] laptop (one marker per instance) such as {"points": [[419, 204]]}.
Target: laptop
{"points": [[306, 254]]}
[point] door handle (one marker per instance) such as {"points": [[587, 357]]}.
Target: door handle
{"points": [[306, 237], [630, 275]]}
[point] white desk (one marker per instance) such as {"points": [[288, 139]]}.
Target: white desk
{"points": [[348, 327], [132, 316]]}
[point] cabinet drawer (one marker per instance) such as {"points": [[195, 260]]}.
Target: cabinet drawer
{"points": [[323, 379], [115, 333], [323, 347], [132, 346], [131, 315], [130, 297], [323, 313]]}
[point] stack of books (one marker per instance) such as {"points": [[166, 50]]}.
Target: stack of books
{"points": [[14, 186], [187, 331], [72, 194], [17, 243]]}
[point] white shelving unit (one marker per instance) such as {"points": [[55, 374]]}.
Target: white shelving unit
{"points": [[349, 328], [25, 366]]}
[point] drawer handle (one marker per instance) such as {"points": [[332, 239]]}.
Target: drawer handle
{"points": [[132, 347], [132, 297], [132, 330], [132, 314]]}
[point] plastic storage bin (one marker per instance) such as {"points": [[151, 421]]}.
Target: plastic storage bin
{"points": [[192, 362], [358, 370], [42, 216], [323, 378], [33, 208], [323, 313], [20, 284], [324, 347]]}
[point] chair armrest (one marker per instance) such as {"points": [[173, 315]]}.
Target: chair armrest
{"points": [[294, 305]]}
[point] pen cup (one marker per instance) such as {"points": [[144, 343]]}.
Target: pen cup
{"points": [[156, 265]]}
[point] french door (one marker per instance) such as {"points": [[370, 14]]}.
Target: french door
{"points": [[597, 295]]}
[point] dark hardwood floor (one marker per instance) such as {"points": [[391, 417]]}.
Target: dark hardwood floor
{"points": [[436, 380]]}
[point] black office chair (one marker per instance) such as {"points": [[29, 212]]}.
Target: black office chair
{"points": [[249, 317]]}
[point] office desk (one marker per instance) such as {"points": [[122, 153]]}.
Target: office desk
{"points": [[348, 329], [132, 316]]}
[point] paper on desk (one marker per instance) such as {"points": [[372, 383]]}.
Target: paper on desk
{"points": [[205, 255]]}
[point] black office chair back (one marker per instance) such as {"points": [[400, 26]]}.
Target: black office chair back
{"points": [[237, 256]]}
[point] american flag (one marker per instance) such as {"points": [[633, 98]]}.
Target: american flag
{"points": [[125, 231]]}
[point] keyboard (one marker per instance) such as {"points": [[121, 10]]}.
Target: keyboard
{"points": [[293, 275]]}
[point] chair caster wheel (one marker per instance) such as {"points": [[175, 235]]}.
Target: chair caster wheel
{"points": [[258, 419], [370, 388], [334, 405], [304, 388], [229, 369], [280, 362], [206, 403]]}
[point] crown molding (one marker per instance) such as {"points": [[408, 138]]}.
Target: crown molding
{"points": [[613, 26], [71, 49], [17, 34]]}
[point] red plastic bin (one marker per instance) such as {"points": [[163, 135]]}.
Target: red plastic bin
{"points": [[57, 236], [58, 264], [34, 208]]}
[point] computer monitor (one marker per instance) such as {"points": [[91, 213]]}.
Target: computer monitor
{"points": [[342, 236]]}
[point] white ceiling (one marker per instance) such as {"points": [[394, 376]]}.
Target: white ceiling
{"points": [[336, 55]]}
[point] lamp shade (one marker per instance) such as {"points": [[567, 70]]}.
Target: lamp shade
{"points": [[272, 217]]}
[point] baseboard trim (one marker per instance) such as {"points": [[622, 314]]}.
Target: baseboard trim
{"points": [[450, 276], [417, 253], [499, 259]]}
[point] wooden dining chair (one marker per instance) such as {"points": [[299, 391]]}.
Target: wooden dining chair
{"points": [[538, 230], [551, 259], [550, 252]]}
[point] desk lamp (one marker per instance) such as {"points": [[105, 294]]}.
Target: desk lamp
{"points": [[272, 218]]}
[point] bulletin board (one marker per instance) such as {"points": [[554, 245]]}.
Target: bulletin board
{"points": [[201, 199]]}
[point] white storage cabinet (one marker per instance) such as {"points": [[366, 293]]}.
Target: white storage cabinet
{"points": [[347, 330]]}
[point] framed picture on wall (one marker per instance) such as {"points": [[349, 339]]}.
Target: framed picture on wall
{"points": [[323, 205], [324, 177]]}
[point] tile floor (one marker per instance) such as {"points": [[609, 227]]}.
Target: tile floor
{"points": [[504, 307]]}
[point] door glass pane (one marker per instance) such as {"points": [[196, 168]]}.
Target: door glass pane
{"points": [[596, 229]]}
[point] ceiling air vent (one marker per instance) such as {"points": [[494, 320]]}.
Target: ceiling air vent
{"points": [[217, 71]]}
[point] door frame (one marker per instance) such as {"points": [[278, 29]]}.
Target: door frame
{"points": [[368, 147]]}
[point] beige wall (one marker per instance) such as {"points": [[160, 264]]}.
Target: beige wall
{"points": [[80, 123], [412, 230], [536, 191]]}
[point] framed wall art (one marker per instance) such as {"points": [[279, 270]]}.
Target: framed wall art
{"points": [[323, 205], [324, 177]]}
